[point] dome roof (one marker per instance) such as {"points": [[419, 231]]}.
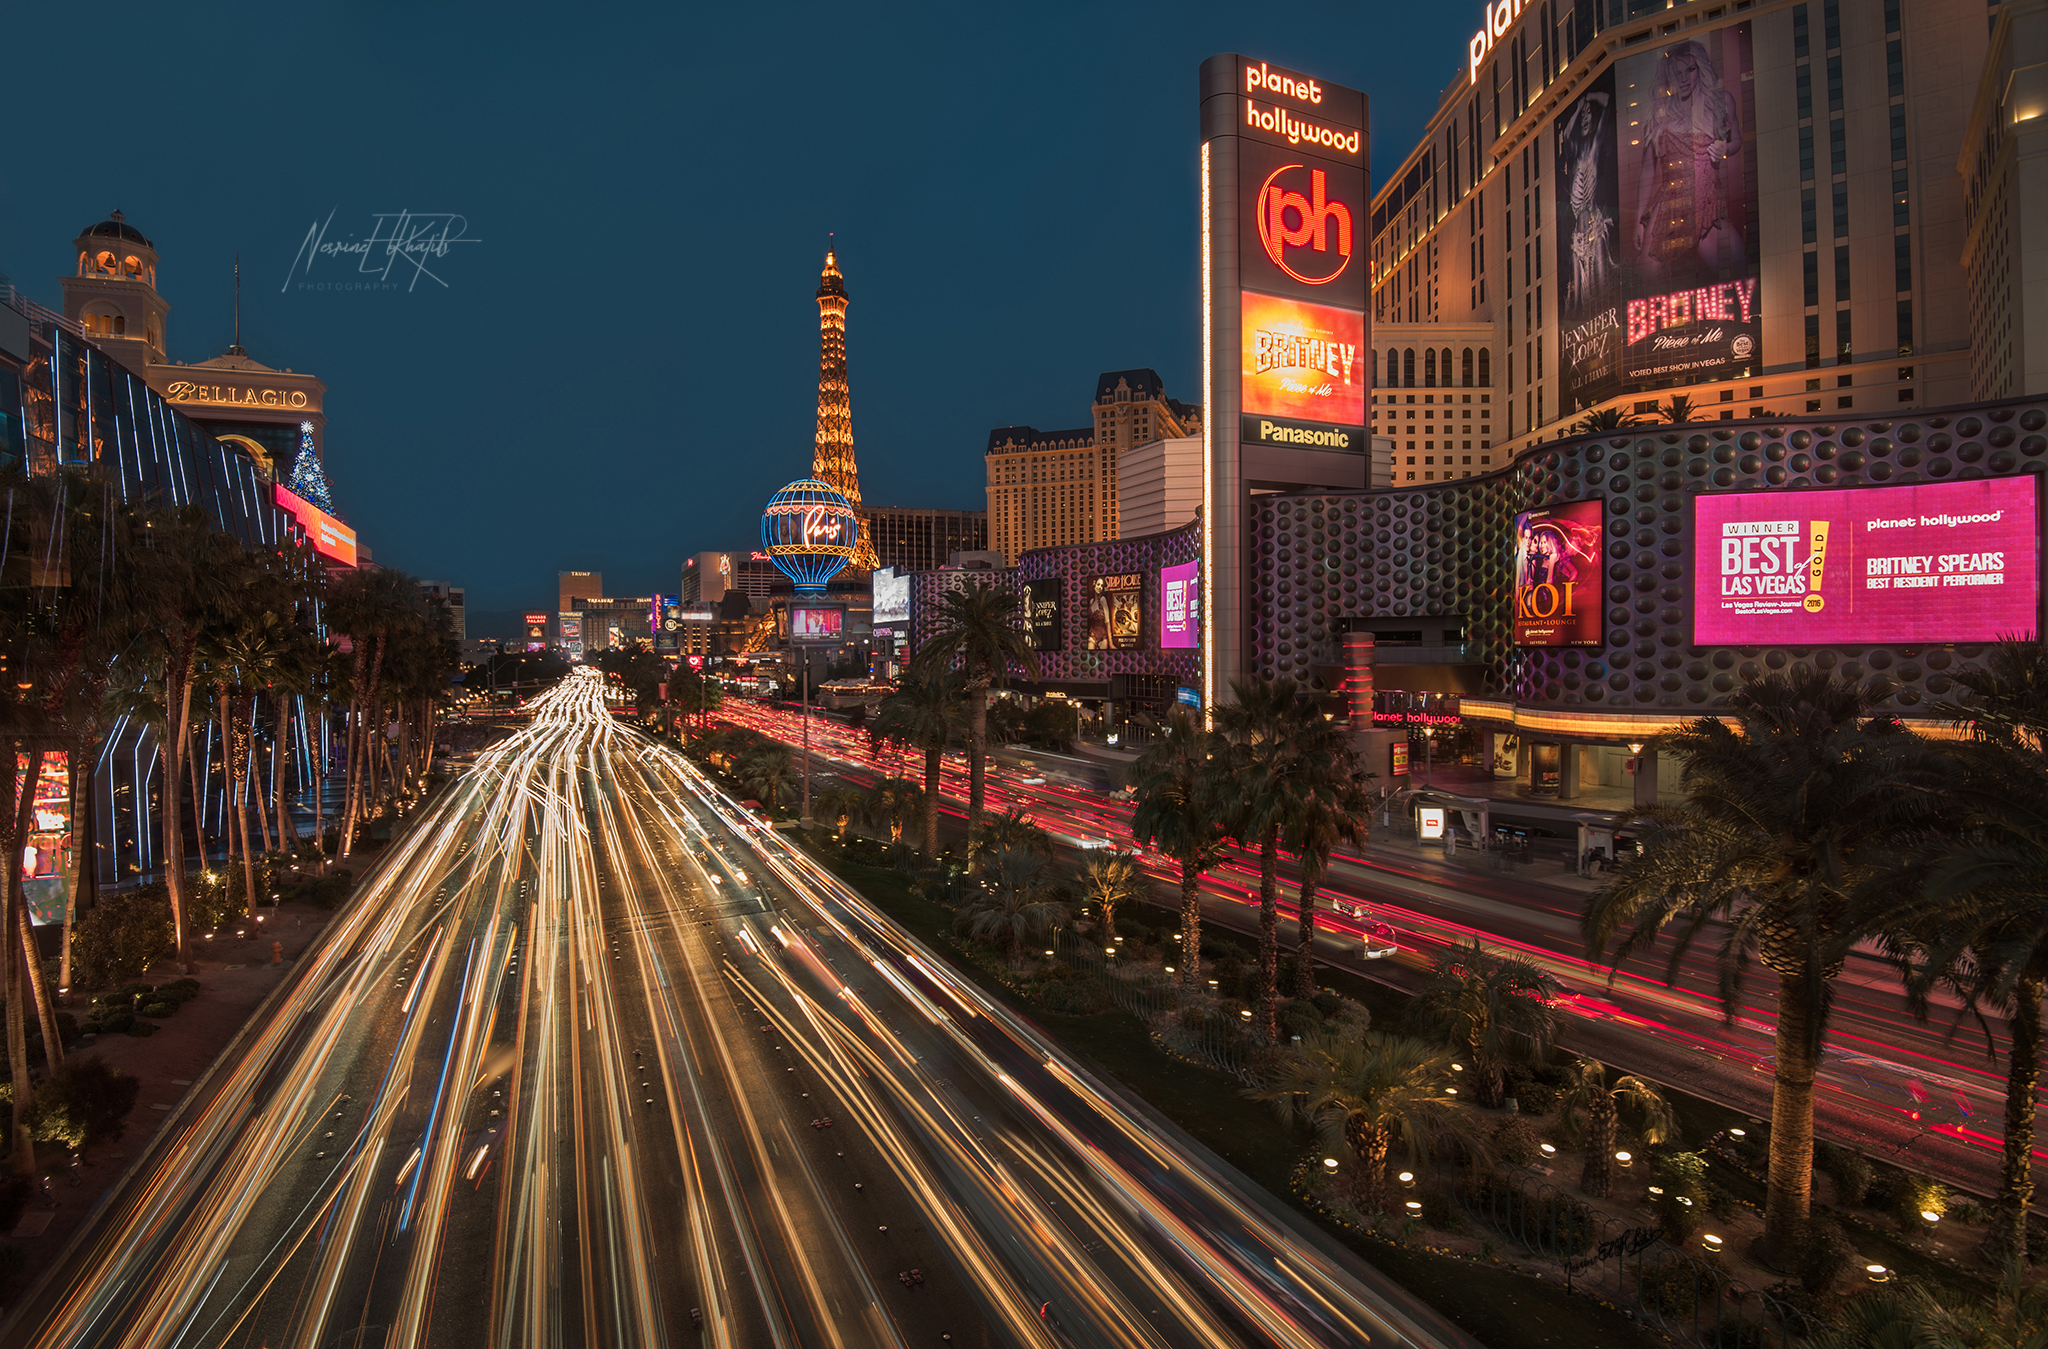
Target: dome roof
{"points": [[115, 226]]}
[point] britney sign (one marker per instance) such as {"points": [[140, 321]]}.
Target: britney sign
{"points": [[1557, 576], [1936, 562]]}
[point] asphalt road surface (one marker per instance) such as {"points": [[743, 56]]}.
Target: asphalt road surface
{"points": [[1925, 1094], [594, 1058]]}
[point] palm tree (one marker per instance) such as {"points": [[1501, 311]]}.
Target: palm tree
{"points": [[1677, 409], [838, 803], [1110, 879], [1590, 1105], [767, 770], [925, 713], [976, 628], [1177, 813], [1253, 782], [1327, 805], [1906, 1314], [1017, 898], [893, 803], [1606, 419], [1499, 1009], [1788, 811], [1014, 830], [1979, 920], [252, 654], [1371, 1094]]}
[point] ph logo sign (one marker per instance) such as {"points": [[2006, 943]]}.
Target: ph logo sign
{"points": [[1304, 233]]}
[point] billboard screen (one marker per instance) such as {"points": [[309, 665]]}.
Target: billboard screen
{"points": [[47, 863], [816, 623], [666, 617], [1657, 232], [1180, 606], [536, 632], [329, 536], [1302, 360], [892, 596], [1116, 613], [1557, 576], [1931, 562], [1045, 613]]}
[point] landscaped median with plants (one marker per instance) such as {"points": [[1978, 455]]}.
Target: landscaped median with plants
{"points": [[1580, 1206]]}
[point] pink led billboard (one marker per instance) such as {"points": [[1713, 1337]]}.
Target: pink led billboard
{"points": [[1180, 606], [1937, 562]]}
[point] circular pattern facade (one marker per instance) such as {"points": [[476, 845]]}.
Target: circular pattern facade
{"points": [[809, 530], [1321, 558]]}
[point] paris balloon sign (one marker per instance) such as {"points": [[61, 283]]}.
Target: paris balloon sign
{"points": [[809, 531]]}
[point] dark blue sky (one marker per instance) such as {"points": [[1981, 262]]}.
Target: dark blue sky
{"points": [[623, 366]]}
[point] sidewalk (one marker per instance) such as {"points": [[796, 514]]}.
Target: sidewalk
{"points": [[235, 977]]}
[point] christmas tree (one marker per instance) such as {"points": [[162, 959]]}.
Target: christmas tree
{"points": [[308, 482]]}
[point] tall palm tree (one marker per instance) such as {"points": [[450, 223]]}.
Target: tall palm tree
{"points": [[893, 803], [185, 584], [1978, 921], [1178, 813], [1790, 801], [1327, 805], [838, 803], [1110, 879], [925, 714], [1590, 1106], [1371, 1094], [1498, 1009], [1262, 724], [252, 654], [976, 628], [1017, 897]]}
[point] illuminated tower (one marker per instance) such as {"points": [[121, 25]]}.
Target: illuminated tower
{"points": [[833, 460]]}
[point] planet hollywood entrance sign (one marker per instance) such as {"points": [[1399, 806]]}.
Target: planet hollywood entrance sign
{"points": [[1285, 344]]}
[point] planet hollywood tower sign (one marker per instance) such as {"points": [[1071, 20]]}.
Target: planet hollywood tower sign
{"points": [[1286, 347]]}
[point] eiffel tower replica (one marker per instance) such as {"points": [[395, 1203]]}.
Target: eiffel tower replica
{"points": [[832, 461]]}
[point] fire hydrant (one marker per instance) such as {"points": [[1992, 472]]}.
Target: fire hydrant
{"points": [[277, 953]]}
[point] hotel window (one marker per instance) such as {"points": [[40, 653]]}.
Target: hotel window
{"points": [[1843, 346], [1841, 273]]}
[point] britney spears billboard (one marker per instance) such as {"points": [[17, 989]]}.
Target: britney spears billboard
{"points": [[1557, 576], [1303, 360], [1930, 562]]}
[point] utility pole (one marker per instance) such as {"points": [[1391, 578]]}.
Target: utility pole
{"points": [[806, 686]]}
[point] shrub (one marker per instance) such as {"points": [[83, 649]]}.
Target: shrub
{"points": [[1920, 1195], [1515, 1141], [1439, 1212], [159, 1010], [1851, 1171], [122, 936], [330, 891], [1671, 1289], [84, 1101], [1682, 1177], [1824, 1257], [1327, 1004], [1072, 997], [1723, 1204]]}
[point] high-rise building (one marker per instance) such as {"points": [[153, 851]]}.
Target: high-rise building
{"points": [[2005, 173], [1753, 206], [707, 578], [112, 300], [455, 598], [577, 585], [1159, 486], [832, 459], [1047, 488], [914, 539]]}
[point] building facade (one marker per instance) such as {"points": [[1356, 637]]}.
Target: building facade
{"points": [[910, 538], [2004, 165], [1051, 488], [1159, 486], [1434, 406], [456, 598], [1752, 205]]}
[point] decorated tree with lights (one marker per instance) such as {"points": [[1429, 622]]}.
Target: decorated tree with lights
{"points": [[309, 481]]}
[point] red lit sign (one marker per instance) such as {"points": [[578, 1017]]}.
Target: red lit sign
{"points": [[1287, 219], [329, 536]]}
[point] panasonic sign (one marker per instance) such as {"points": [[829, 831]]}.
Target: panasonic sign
{"points": [[1500, 19]]}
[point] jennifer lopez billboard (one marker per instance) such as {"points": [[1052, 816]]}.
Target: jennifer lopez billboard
{"points": [[1934, 562], [1655, 186], [1557, 576]]}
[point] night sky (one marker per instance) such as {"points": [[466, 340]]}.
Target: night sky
{"points": [[623, 365]]}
